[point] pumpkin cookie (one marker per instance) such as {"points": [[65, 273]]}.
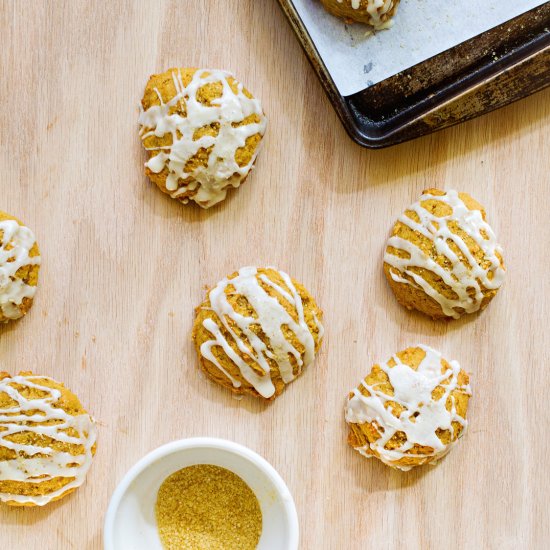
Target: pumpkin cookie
{"points": [[256, 331], [202, 130], [47, 440], [409, 411], [442, 257], [377, 13], [19, 266]]}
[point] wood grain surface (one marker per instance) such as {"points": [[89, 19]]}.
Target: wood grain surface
{"points": [[124, 266]]}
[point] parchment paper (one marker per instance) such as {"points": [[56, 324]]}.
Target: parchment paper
{"points": [[421, 29]]}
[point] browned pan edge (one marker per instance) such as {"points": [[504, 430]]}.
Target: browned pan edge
{"points": [[484, 73]]}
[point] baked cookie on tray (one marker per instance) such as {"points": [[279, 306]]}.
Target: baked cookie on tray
{"points": [[409, 411], [377, 13], [202, 129], [19, 266], [257, 331], [47, 440], [443, 258]]}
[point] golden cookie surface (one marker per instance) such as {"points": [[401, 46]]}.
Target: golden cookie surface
{"points": [[19, 267], [47, 440], [409, 411], [443, 258], [202, 129], [377, 13], [257, 331]]}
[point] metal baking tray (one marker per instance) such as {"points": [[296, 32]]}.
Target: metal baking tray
{"points": [[491, 70]]}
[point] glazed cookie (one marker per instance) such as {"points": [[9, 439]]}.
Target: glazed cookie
{"points": [[202, 130], [409, 411], [47, 440], [256, 331], [442, 257], [377, 13], [19, 266]]}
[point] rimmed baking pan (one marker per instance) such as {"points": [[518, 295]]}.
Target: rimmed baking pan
{"points": [[493, 69]]}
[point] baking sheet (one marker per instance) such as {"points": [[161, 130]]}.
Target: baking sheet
{"points": [[357, 58]]}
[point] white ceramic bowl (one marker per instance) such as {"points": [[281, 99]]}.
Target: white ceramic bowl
{"points": [[130, 521]]}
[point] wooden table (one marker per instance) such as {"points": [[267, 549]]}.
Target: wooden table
{"points": [[123, 267]]}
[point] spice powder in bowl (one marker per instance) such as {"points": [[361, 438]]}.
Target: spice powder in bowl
{"points": [[207, 507]]}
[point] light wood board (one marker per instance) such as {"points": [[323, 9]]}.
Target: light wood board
{"points": [[124, 266]]}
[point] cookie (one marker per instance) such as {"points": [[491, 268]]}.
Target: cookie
{"points": [[47, 440], [443, 258], [377, 13], [409, 411], [202, 130], [19, 266], [257, 331]]}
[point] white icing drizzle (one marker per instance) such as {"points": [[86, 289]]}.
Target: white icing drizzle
{"points": [[211, 182], [271, 316], [13, 420], [12, 289], [459, 277], [413, 390], [376, 9]]}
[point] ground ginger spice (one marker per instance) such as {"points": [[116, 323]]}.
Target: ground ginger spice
{"points": [[206, 507]]}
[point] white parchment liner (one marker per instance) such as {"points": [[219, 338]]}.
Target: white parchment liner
{"points": [[357, 59]]}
